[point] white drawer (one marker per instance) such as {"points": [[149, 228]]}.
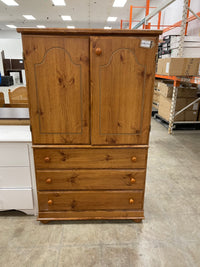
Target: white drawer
{"points": [[15, 177], [14, 154], [18, 199]]}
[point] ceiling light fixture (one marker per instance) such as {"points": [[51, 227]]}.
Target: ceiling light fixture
{"points": [[10, 2], [107, 28], [71, 27], [66, 17], [111, 18], [119, 3], [59, 2], [41, 26], [29, 17], [11, 26]]}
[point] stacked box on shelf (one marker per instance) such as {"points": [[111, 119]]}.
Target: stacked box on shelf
{"points": [[191, 46], [185, 96], [156, 95]]}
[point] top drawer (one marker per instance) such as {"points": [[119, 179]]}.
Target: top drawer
{"points": [[102, 158], [14, 154]]}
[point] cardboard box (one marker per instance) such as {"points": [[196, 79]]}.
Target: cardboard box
{"points": [[178, 66], [166, 90], [156, 96], [188, 52], [188, 115]]}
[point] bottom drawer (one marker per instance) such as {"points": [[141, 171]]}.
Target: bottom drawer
{"points": [[19, 199], [91, 200]]}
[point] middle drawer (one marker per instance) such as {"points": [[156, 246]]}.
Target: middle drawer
{"points": [[90, 179]]}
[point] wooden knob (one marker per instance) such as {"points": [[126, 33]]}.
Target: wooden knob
{"points": [[133, 159], [50, 202], [132, 180], [98, 51], [48, 180], [131, 201], [47, 159]]}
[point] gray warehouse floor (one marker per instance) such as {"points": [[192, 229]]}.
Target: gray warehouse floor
{"points": [[169, 236]]}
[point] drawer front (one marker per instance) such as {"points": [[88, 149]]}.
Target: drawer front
{"points": [[69, 158], [90, 179], [91, 200], [16, 199], [14, 154], [15, 177]]}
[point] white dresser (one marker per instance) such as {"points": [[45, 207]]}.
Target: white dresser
{"points": [[17, 180]]}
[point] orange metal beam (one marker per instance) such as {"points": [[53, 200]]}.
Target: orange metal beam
{"points": [[147, 13], [121, 24], [159, 19], [194, 80], [186, 26], [130, 17], [178, 24]]}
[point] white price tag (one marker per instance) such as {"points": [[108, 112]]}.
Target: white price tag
{"points": [[146, 43], [167, 67]]}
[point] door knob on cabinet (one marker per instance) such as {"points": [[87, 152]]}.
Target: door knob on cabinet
{"points": [[48, 180], [132, 180], [133, 159], [98, 51], [131, 200], [47, 159], [50, 202]]}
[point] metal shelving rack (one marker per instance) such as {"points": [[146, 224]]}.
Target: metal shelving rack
{"points": [[177, 81]]}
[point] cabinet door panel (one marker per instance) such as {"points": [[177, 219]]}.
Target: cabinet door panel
{"points": [[57, 72], [122, 79]]}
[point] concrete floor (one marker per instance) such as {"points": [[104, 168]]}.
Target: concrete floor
{"points": [[169, 236]]}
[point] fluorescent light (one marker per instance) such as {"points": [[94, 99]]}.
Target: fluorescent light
{"points": [[41, 26], [107, 28], [10, 2], [66, 17], [71, 27], [11, 26], [119, 3], [59, 2], [30, 17], [111, 18]]}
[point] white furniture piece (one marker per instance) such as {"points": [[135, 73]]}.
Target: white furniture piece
{"points": [[17, 177]]}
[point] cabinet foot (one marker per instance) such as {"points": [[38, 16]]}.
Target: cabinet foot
{"points": [[44, 222], [137, 220]]}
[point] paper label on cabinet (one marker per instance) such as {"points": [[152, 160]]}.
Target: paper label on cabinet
{"points": [[195, 106], [146, 43], [167, 67]]}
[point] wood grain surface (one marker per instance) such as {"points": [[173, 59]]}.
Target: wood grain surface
{"points": [[90, 200], [90, 179], [90, 158], [122, 79], [57, 71]]}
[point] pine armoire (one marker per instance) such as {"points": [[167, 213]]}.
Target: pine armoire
{"points": [[90, 99]]}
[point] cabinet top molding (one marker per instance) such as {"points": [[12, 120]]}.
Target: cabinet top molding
{"points": [[85, 32]]}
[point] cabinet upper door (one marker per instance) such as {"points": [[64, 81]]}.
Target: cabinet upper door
{"points": [[122, 77], [57, 71]]}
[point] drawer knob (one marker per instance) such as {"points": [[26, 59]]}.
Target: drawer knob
{"points": [[47, 159], [48, 180], [50, 202], [133, 159], [98, 51], [131, 200], [132, 180]]}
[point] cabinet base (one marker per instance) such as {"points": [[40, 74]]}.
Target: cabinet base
{"points": [[136, 216]]}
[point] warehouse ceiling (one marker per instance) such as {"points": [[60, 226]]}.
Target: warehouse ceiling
{"points": [[84, 13]]}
